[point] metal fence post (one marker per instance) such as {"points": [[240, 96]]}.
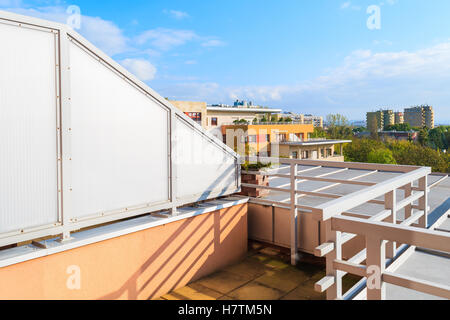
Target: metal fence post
{"points": [[66, 134], [294, 216], [173, 163]]}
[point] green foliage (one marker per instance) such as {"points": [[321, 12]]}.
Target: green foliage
{"points": [[438, 138], [382, 155], [247, 166], [338, 127], [319, 133], [399, 127], [403, 152], [242, 121], [359, 150], [337, 120], [423, 136], [359, 129]]}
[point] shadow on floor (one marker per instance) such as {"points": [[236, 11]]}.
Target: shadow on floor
{"points": [[265, 274]]}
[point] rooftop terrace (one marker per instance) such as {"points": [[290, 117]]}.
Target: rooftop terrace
{"points": [[265, 274]]}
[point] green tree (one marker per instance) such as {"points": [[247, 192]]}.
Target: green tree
{"points": [[338, 127], [423, 136], [382, 155], [359, 149], [399, 127], [319, 133]]}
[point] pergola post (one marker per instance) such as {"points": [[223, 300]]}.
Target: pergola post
{"points": [[391, 204], [408, 208], [423, 202], [376, 265], [335, 291]]}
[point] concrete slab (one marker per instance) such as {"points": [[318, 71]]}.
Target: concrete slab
{"points": [[256, 291], [423, 266]]}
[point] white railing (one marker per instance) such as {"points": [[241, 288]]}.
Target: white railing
{"points": [[384, 232]]}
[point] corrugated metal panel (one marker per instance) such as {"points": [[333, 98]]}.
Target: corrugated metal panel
{"points": [[204, 168], [119, 141], [28, 139]]}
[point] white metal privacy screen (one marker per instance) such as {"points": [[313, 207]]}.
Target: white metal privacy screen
{"points": [[83, 142]]}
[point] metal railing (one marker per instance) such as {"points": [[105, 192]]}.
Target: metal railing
{"points": [[383, 232]]}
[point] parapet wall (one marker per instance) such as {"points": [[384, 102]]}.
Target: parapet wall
{"points": [[141, 265]]}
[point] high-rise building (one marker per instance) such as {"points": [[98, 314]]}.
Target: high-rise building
{"points": [[375, 121], [421, 116], [388, 118], [399, 118]]}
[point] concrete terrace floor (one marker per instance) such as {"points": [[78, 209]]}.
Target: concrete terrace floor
{"points": [[265, 274]]}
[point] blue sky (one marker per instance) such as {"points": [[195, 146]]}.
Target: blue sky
{"points": [[309, 56]]}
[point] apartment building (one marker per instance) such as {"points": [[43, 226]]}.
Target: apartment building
{"points": [[399, 118], [212, 117], [379, 120], [281, 140], [316, 121], [375, 121], [421, 116], [388, 118]]}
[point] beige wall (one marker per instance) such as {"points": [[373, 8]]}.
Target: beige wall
{"points": [[141, 265], [287, 150], [227, 117], [191, 106]]}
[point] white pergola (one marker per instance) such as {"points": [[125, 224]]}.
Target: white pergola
{"points": [[387, 234]]}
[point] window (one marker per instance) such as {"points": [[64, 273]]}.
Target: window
{"points": [[294, 155], [329, 153], [213, 121], [281, 137], [196, 116], [322, 153], [252, 139]]}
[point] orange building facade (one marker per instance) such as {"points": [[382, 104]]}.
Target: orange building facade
{"points": [[259, 139]]}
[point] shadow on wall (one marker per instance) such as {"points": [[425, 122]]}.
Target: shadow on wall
{"points": [[184, 257]]}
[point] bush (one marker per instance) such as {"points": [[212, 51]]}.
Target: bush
{"points": [[255, 166], [383, 156]]}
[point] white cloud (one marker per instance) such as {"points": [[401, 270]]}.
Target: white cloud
{"points": [[179, 15], [365, 80], [166, 39], [213, 43], [345, 5], [348, 5], [104, 34], [142, 69]]}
